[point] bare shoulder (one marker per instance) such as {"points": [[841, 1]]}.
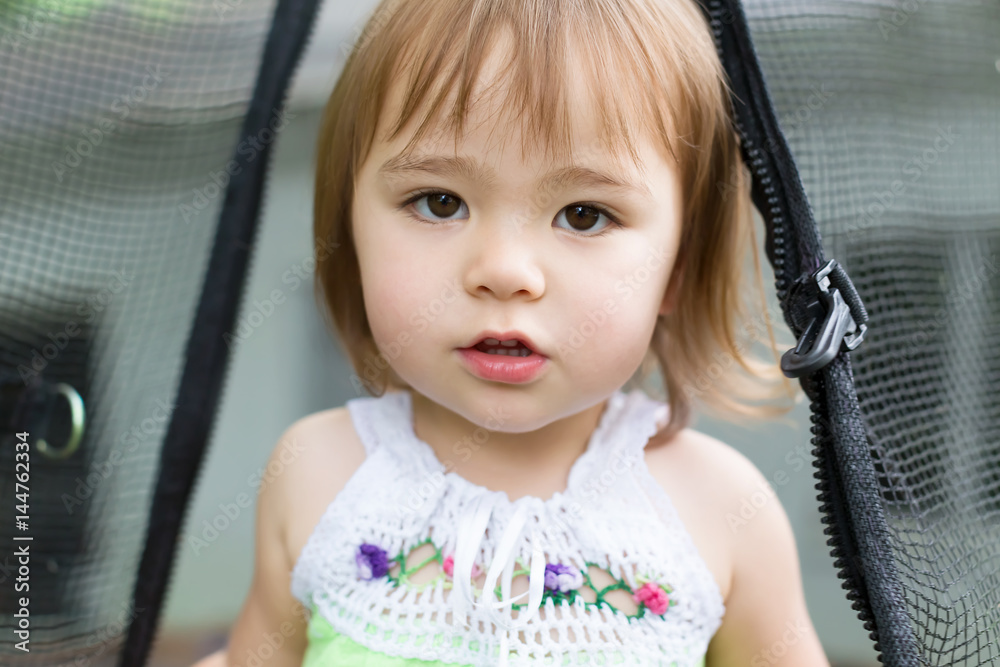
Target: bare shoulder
{"points": [[307, 467], [743, 534], [724, 473], [706, 480], [310, 465]]}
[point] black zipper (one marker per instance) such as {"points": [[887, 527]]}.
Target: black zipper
{"points": [[787, 269]]}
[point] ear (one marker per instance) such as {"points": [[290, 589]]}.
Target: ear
{"points": [[673, 290]]}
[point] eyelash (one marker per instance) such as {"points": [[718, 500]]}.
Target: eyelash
{"points": [[420, 194]]}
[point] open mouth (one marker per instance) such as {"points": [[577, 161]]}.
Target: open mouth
{"points": [[504, 356], [508, 348]]}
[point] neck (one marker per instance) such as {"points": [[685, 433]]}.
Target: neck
{"points": [[530, 463]]}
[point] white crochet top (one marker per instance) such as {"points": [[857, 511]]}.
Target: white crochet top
{"points": [[613, 516]]}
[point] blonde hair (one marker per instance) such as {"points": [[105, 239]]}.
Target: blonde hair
{"points": [[659, 60]]}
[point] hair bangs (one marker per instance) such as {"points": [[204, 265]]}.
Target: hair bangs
{"points": [[636, 91]]}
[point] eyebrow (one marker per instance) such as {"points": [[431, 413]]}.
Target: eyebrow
{"points": [[471, 169]]}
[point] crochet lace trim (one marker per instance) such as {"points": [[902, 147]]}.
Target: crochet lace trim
{"points": [[613, 521]]}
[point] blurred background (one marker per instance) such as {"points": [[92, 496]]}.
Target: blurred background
{"points": [[289, 366]]}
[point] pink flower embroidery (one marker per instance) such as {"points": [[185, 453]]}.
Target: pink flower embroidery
{"points": [[449, 567], [654, 597]]}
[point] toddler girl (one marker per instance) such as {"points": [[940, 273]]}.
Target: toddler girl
{"points": [[533, 204]]}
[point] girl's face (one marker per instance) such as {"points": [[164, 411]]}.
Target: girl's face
{"points": [[477, 240]]}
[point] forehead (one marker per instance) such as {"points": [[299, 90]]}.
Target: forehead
{"points": [[570, 133], [590, 164]]}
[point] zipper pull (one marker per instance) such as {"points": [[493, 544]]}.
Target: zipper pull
{"points": [[836, 319]]}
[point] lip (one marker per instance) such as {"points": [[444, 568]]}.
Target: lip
{"points": [[508, 335], [499, 368]]}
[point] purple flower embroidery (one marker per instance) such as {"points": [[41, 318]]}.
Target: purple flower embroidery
{"points": [[562, 578], [372, 561]]}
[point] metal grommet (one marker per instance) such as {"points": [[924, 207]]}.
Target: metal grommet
{"points": [[78, 416]]}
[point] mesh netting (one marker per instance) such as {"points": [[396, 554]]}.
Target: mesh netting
{"points": [[892, 113], [117, 122]]}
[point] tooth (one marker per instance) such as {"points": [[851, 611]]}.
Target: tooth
{"points": [[491, 341], [511, 353], [509, 343]]}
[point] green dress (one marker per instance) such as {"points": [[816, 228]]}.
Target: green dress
{"points": [[327, 647]]}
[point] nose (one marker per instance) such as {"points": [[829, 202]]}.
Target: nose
{"points": [[503, 262]]}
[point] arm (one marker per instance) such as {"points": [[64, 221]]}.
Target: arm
{"points": [[766, 622], [271, 618], [326, 452]]}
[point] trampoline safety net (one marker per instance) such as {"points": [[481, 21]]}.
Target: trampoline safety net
{"points": [[891, 111], [121, 126]]}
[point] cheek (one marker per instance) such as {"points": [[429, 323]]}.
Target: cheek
{"points": [[405, 312], [392, 301], [617, 315], [391, 296], [627, 298], [409, 286], [624, 337]]}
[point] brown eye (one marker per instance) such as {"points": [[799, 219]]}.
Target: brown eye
{"points": [[434, 206], [443, 205], [583, 218]]}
